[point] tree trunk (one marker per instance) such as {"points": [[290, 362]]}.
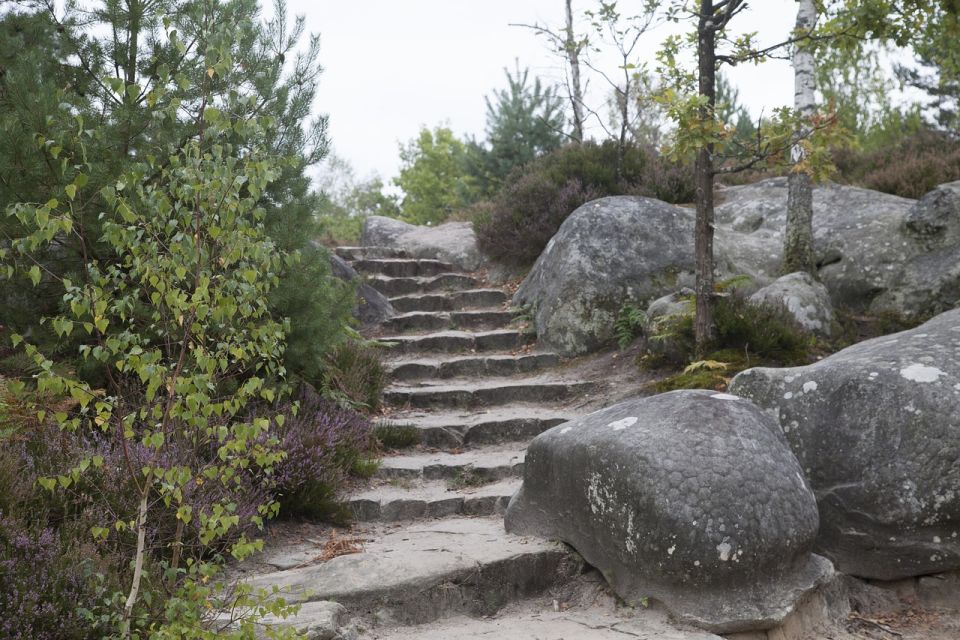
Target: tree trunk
{"points": [[576, 92], [798, 236], [704, 327]]}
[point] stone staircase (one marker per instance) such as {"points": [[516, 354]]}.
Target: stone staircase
{"points": [[471, 381]]}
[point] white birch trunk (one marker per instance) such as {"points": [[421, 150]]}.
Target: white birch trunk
{"points": [[798, 237]]}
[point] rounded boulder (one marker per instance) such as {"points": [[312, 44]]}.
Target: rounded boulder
{"points": [[692, 498]]}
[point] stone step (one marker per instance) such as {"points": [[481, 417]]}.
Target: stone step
{"points": [[468, 428], [361, 253], [444, 368], [482, 394], [483, 319], [459, 341], [435, 499], [472, 466], [424, 571], [450, 300], [403, 286], [402, 267], [544, 619]]}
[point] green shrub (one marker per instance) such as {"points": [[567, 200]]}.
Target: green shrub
{"points": [[354, 375], [628, 325], [748, 335], [909, 169], [516, 225], [396, 436], [519, 223]]}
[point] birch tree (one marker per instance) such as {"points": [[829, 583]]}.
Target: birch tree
{"points": [[798, 235]]}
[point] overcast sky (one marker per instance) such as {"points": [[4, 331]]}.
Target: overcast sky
{"points": [[392, 66]]}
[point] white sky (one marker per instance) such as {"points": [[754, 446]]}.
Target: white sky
{"points": [[392, 66]]}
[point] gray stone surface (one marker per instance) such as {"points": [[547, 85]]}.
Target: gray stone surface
{"points": [[372, 306], [454, 341], [422, 571], [431, 499], [320, 620], [471, 393], [858, 234], [806, 299], [453, 242], [690, 497], [456, 428], [606, 253], [544, 624], [489, 463], [930, 281], [876, 428]]}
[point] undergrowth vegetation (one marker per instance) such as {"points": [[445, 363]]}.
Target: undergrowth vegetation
{"points": [[748, 335], [515, 225]]}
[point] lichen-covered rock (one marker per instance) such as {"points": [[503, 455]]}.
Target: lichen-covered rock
{"points": [[372, 306], [858, 238], [807, 300], [451, 242], [929, 282], [606, 253], [876, 428], [690, 497]]}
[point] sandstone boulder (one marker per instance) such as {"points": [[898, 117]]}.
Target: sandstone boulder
{"points": [[606, 253], [929, 282], [372, 306], [692, 498], [452, 242], [876, 428], [858, 238], [806, 299]]}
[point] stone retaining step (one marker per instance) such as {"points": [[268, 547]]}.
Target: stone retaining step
{"points": [[544, 623], [398, 501], [473, 466], [488, 319], [424, 571], [361, 253], [480, 394], [402, 267], [450, 301], [458, 341], [496, 425], [478, 365], [402, 286]]}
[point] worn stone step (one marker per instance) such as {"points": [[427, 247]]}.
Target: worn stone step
{"points": [[545, 620], [472, 365], [474, 319], [361, 253], [459, 341], [468, 428], [403, 286], [424, 571], [404, 500], [482, 394], [476, 465], [450, 300], [402, 267]]}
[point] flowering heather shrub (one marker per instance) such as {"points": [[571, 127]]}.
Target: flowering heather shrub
{"points": [[910, 169], [519, 223], [323, 443]]}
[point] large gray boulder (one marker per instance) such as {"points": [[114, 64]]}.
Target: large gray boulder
{"points": [[929, 282], [858, 238], [606, 253], [807, 300], [876, 428], [372, 306], [690, 497], [452, 242]]}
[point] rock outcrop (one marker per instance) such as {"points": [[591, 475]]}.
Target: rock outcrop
{"points": [[451, 242], [692, 498], [372, 306], [807, 300], [608, 252], [876, 428]]}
